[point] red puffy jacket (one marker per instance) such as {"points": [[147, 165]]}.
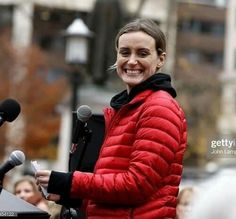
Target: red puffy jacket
{"points": [[139, 168]]}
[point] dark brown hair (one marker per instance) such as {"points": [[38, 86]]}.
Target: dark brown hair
{"points": [[147, 26]]}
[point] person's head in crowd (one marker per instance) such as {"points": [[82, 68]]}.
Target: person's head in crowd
{"points": [[26, 189], [184, 203], [216, 200]]}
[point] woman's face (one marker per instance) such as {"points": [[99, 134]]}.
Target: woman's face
{"points": [[137, 58], [24, 190]]}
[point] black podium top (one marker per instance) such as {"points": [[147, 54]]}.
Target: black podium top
{"points": [[14, 207]]}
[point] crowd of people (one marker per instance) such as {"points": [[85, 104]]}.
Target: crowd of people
{"points": [[193, 202]]}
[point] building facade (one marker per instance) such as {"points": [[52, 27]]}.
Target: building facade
{"points": [[227, 120], [199, 62]]}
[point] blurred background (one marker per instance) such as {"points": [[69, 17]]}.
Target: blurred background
{"points": [[36, 71]]}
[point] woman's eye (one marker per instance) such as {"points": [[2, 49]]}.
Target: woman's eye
{"points": [[143, 54], [124, 53]]}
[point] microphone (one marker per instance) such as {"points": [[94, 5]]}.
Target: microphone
{"points": [[9, 110], [84, 113], [16, 158]]}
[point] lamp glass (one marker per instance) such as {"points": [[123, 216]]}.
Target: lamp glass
{"points": [[76, 50]]}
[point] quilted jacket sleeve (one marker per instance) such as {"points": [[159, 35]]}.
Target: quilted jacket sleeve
{"points": [[158, 139]]}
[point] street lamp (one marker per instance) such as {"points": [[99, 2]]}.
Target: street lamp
{"points": [[77, 35], [76, 53]]}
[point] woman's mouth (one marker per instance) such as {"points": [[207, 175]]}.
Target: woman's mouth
{"points": [[132, 72]]}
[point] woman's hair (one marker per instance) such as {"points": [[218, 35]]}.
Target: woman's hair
{"points": [[147, 26], [29, 179]]}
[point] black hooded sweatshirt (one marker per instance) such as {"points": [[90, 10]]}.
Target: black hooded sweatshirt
{"points": [[158, 81]]}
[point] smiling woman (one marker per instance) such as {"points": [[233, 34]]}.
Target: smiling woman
{"points": [[139, 168], [138, 53]]}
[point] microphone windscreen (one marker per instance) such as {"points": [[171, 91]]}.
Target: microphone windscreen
{"points": [[9, 109], [17, 158], [84, 112]]}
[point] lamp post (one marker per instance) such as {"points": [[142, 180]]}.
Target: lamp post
{"points": [[76, 55]]}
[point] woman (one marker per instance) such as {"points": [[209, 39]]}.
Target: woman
{"points": [[26, 189], [139, 168]]}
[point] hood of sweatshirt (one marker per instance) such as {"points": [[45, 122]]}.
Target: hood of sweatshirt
{"points": [[158, 81]]}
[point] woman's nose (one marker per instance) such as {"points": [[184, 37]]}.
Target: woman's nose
{"points": [[132, 60], [21, 195]]}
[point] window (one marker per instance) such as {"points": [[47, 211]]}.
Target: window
{"points": [[219, 3], [218, 29], [190, 26], [194, 26], [193, 56], [5, 16], [196, 56], [49, 24], [213, 58]]}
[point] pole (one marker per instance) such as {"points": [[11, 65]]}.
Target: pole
{"points": [[74, 85], [75, 81]]}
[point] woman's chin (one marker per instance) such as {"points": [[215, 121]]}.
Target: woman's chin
{"points": [[132, 84]]}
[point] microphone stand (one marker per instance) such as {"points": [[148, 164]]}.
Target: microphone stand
{"points": [[72, 213], [86, 137]]}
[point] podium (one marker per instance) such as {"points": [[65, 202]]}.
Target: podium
{"points": [[14, 207]]}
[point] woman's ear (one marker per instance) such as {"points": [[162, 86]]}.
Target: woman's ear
{"points": [[161, 60]]}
